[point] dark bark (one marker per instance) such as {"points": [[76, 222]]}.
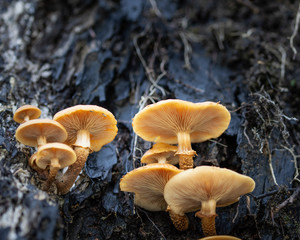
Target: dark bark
{"points": [[121, 55]]}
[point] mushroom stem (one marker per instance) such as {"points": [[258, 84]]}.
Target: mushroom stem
{"points": [[186, 162], [68, 179], [26, 118], [83, 139], [180, 222], [208, 215], [185, 151], [41, 140], [161, 159], [208, 226], [54, 167]]}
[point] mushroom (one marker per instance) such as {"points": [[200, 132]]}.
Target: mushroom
{"points": [[148, 184], [220, 237], [32, 163], [89, 127], [176, 121], [161, 153], [38, 132], [205, 187], [56, 156], [26, 113]]}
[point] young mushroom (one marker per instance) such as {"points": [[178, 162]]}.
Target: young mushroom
{"points": [[38, 132], [26, 113], [148, 184], [161, 153], [180, 122], [55, 156], [205, 188], [89, 127]]}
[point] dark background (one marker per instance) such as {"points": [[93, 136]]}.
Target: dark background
{"points": [[124, 55]]}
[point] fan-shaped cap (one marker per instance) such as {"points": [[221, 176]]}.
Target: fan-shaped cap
{"points": [[28, 132], [161, 151], [148, 184], [188, 190], [26, 111], [99, 122], [160, 122], [62, 152]]}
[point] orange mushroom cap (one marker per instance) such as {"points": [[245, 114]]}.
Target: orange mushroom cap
{"points": [[206, 187], [162, 121], [26, 111], [29, 132], [62, 152], [97, 122], [161, 151], [195, 188], [148, 184]]}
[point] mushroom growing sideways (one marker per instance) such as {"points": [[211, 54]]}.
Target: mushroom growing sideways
{"points": [[56, 156], [148, 184], [180, 122], [26, 113], [206, 188], [89, 127], [161, 153]]}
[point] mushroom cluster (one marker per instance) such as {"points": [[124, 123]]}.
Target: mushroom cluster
{"points": [[86, 128], [187, 189]]}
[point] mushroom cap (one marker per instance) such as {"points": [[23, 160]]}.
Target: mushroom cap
{"points": [[185, 191], [27, 110], [163, 150], [148, 184], [220, 237], [160, 122], [65, 155], [100, 123], [28, 132]]}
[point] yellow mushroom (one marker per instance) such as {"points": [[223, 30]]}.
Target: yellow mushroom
{"points": [[26, 113], [89, 127], [161, 153], [55, 156], [180, 122], [205, 188]]}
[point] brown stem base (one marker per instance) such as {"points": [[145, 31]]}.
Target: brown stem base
{"points": [[186, 161], [68, 179], [51, 178], [208, 224], [181, 223]]}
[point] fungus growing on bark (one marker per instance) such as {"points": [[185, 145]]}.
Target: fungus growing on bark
{"points": [[89, 127], [148, 184], [26, 113], [161, 153], [180, 122], [205, 187], [38, 132], [55, 156]]}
